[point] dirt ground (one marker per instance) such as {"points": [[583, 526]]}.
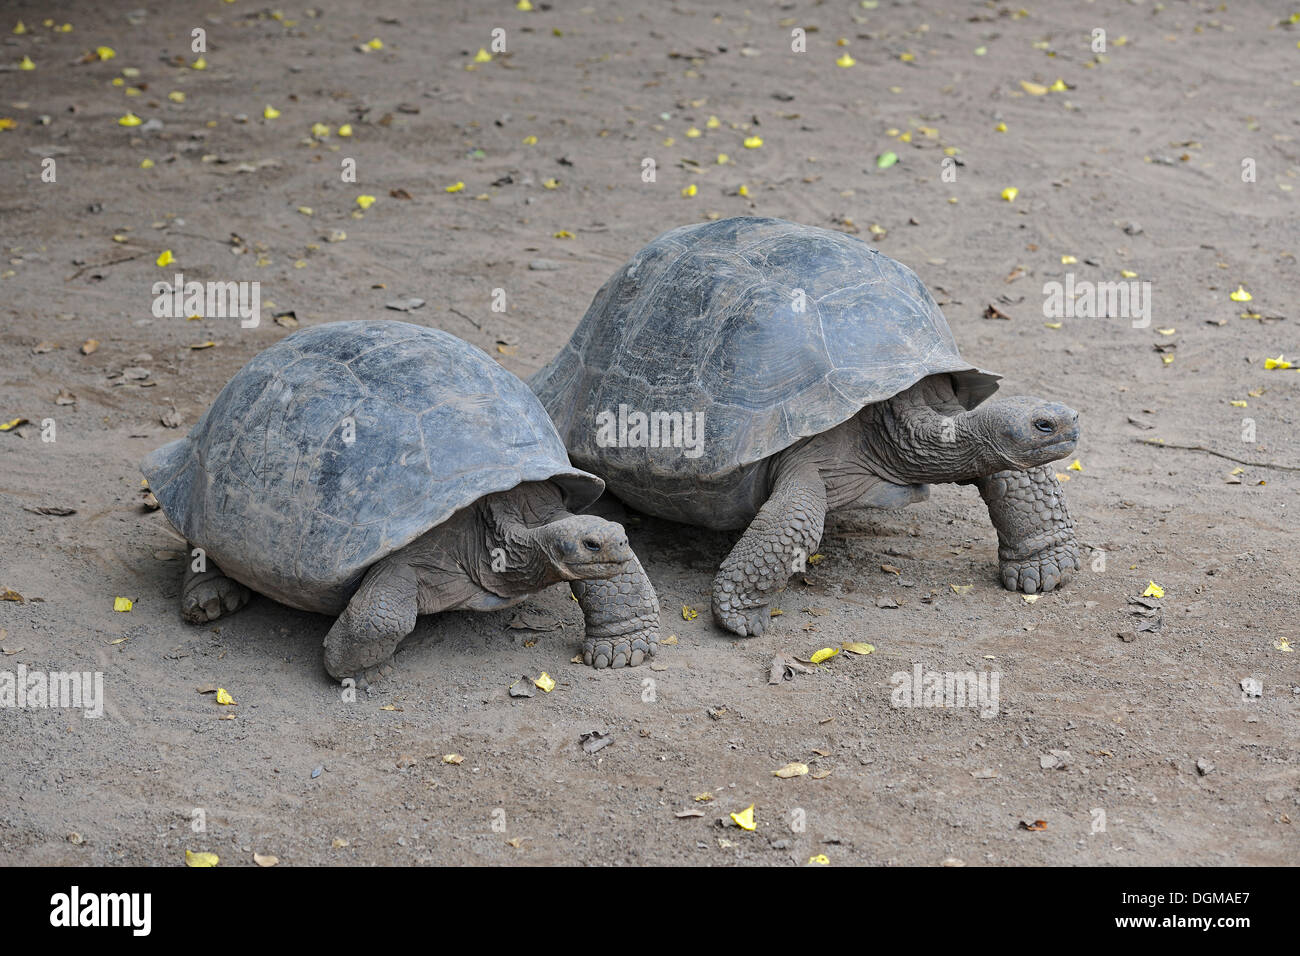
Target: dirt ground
{"points": [[1134, 163]]}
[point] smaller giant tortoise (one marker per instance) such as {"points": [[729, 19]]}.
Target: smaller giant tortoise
{"points": [[755, 373], [378, 470]]}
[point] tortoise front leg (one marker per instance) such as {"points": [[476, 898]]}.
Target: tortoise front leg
{"points": [[622, 616], [786, 530], [381, 613], [1036, 545]]}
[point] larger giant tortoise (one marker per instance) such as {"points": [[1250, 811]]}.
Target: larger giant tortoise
{"points": [[755, 373], [378, 470]]}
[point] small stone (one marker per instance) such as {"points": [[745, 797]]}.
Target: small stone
{"points": [[1128, 637], [1204, 767], [545, 265]]}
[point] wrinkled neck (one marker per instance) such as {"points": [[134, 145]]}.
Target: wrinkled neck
{"points": [[908, 440], [517, 559]]}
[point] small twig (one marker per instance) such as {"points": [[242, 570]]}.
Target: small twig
{"points": [[465, 317], [1217, 454], [102, 265]]}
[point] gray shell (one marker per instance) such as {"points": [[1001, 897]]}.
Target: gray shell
{"points": [[703, 320], [266, 484]]}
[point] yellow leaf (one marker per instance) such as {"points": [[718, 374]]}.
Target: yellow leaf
{"points": [[1059, 86], [961, 588], [453, 759], [545, 682], [689, 191], [1010, 193], [345, 130], [1153, 590], [703, 797], [1052, 325], [105, 52], [199, 64], [1279, 362], [204, 345], [693, 133], [130, 119], [365, 202], [723, 159], [670, 639], [1128, 273], [753, 142], [713, 122], [270, 112], [122, 604], [743, 190], [306, 210], [1033, 89], [857, 647], [1166, 331], [8, 122], [524, 5], [201, 859], [530, 140], [1001, 127], [816, 558], [482, 56], [563, 234], [825, 654], [20, 28], [551, 183], [1030, 598], [320, 130], [1236, 403], [1068, 260], [1283, 644], [1241, 295], [165, 259], [1076, 465], [845, 60], [376, 44], [791, 770], [453, 188], [745, 818], [689, 613], [26, 63], [821, 859]]}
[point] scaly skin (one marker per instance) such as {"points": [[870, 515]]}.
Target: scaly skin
{"points": [[1036, 545], [788, 527], [622, 615], [381, 613]]}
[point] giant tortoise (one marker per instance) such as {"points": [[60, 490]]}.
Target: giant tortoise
{"points": [[377, 470], [755, 373]]}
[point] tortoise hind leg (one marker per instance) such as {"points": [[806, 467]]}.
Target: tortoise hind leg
{"points": [[207, 595], [381, 613], [786, 530]]}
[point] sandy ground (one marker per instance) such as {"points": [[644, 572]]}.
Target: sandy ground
{"points": [[1135, 165]]}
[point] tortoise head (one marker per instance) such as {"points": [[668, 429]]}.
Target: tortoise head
{"points": [[583, 547], [1023, 432]]}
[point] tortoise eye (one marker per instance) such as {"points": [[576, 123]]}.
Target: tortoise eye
{"points": [[1044, 426]]}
